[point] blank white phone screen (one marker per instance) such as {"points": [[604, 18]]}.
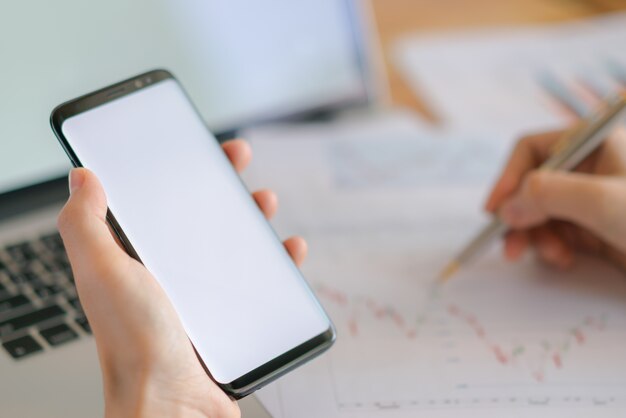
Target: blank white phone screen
{"points": [[196, 228]]}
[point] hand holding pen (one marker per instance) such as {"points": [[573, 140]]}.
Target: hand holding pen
{"points": [[537, 204]]}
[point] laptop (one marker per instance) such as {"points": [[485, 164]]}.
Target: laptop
{"points": [[244, 63]]}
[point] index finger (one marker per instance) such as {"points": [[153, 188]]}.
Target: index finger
{"points": [[238, 152], [527, 155]]}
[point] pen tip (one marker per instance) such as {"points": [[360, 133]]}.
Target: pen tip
{"points": [[448, 271]]}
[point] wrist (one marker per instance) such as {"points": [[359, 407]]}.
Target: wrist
{"points": [[129, 393], [144, 399], [142, 394], [150, 408]]}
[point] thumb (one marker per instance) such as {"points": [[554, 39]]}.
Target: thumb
{"points": [[594, 202], [82, 223]]}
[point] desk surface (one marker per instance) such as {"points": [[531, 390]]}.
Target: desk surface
{"points": [[396, 18]]}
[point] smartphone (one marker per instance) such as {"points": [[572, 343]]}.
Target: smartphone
{"points": [[179, 207]]}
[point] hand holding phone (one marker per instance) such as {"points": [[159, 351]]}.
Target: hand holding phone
{"points": [[247, 310], [141, 342]]}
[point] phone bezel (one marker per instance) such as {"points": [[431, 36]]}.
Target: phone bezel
{"points": [[258, 377]]}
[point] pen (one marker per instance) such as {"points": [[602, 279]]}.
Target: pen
{"points": [[575, 145]]}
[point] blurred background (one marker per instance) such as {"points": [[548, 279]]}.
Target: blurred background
{"points": [[398, 18], [381, 125], [244, 63]]}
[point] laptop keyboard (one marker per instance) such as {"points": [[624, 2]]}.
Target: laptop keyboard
{"points": [[39, 307]]}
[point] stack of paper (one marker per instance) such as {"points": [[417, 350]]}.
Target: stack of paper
{"points": [[490, 80]]}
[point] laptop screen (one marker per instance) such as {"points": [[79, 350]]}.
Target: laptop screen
{"points": [[240, 61]]}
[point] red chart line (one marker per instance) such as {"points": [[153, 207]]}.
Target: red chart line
{"points": [[577, 335], [553, 356], [377, 310]]}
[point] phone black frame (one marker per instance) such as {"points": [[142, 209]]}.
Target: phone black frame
{"points": [[258, 377]]}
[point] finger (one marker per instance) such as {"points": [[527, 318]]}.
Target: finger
{"points": [[578, 238], [515, 244], [527, 155], [238, 152], [83, 226], [297, 249], [267, 202], [551, 248], [593, 202]]}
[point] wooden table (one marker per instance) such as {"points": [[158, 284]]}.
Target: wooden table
{"points": [[396, 18]]}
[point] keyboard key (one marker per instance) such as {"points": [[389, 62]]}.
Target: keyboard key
{"points": [[41, 267], [21, 253], [63, 262], [11, 325], [58, 334], [82, 322], [57, 264], [17, 278], [13, 302], [50, 265], [53, 242], [22, 346], [30, 276], [75, 304], [36, 283], [33, 279], [46, 291]]}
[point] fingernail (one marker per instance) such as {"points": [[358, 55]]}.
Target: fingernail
{"points": [[77, 178]]}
